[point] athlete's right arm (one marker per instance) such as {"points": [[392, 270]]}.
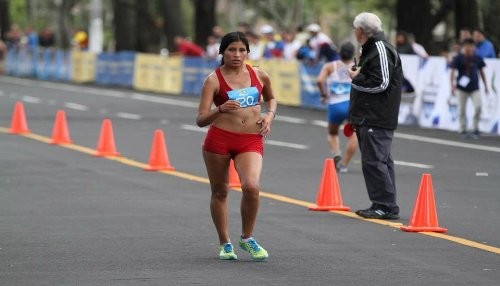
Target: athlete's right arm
{"points": [[206, 115], [326, 70]]}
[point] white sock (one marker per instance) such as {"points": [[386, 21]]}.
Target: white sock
{"points": [[246, 239]]}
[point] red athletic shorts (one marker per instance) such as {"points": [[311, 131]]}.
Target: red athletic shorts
{"points": [[224, 142]]}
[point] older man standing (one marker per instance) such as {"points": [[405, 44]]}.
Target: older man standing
{"points": [[374, 108]]}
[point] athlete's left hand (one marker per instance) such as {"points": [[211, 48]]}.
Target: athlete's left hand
{"points": [[265, 124]]}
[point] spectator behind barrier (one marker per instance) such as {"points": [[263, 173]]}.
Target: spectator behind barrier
{"points": [[321, 44], [484, 48], [188, 48]]}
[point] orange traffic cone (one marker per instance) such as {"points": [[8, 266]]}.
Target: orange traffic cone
{"points": [[18, 124], [234, 178], [60, 132], [424, 217], [329, 197], [158, 158], [106, 144]]}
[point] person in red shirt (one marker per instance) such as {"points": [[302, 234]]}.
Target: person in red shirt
{"points": [[188, 48]]}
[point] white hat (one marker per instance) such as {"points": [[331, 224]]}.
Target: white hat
{"points": [[266, 29], [313, 28]]}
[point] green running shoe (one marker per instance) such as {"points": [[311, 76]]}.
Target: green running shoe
{"points": [[226, 252], [257, 252]]}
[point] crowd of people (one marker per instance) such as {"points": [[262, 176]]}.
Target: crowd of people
{"points": [[29, 38], [16, 37], [309, 44]]}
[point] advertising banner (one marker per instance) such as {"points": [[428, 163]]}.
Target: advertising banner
{"points": [[83, 66]]}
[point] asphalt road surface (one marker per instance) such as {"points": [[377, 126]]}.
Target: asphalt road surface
{"points": [[70, 218]]}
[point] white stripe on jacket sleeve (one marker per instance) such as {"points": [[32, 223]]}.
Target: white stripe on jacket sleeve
{"points": [[384, 65]]}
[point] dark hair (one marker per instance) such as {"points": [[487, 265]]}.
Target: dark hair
{"points": [[346, 51], [468, 41], [231, 38], [478, 30]]}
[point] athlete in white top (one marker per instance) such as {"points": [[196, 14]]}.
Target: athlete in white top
{"points": [[334, 84]]}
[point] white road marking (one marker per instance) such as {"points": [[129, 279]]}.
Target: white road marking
{"points": [[446, 142], [194, 128], [163, 100], [129, 115], [76, 106], [320, 123], [286, 144], [290, 119], [416, 165], [71, 88], [31, 99]]}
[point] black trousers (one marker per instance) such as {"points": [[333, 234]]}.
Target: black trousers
{"points": [[378, 167]]}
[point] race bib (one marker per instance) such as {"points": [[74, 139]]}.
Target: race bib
{"points": [[340, 88], [464, 81], [248, 96]]}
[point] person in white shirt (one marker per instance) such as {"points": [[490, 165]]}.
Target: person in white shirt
{"points": [[212, 49], [322, 45], [256, 49], [290, 45]]}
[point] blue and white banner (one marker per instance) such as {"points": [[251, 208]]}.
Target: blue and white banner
{"points": [[309, 91], [434, 104]]}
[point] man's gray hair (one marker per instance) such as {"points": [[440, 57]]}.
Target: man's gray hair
{"points": [[369, 22]]}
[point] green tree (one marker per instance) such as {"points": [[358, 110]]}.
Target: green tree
{"points": [[63, 26], [4, 18], [204, 20], [135, 26], [173, 17]]}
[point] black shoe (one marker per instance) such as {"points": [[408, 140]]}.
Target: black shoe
{"points": [[464, 135], [336, 161], [377, 213], [476, 134]]}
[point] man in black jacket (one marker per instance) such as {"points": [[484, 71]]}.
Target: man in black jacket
{"points": [[373, 112]]}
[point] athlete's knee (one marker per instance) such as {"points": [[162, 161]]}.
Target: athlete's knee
{"points": [[250, 188], [220, 191], [333, 129], [333, 132]]}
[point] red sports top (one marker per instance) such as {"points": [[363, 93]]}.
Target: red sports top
{"points": [[222, 97]]}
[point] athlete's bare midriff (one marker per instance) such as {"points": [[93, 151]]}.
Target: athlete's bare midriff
{"points": [[243, 120]]}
